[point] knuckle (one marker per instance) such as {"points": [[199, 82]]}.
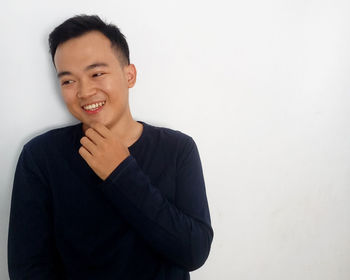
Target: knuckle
{"points": [[82, 140], [88, 131]]}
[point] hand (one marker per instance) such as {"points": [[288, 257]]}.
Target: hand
{"points": [[102, 150]]}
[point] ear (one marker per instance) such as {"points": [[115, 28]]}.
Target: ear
{"points": [[130, 71]]}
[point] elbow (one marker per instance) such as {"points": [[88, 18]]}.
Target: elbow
{"points": [[199, 250], [202, 250]]}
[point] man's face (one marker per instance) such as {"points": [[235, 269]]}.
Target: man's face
{"points": [[90, 74]]}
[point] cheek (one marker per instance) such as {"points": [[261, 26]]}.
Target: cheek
{"points": [[106, 85], [68, 95], [113, 85]]}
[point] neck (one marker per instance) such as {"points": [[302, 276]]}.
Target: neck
{"points": [[127, 130]]}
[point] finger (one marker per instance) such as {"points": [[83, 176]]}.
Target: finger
{"points": [[88, 145], [87, 156], [85, 153], [94, 136], [101, 129]]}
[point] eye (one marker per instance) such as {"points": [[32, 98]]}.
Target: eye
{"points": [[67, 82], [98, 74]]}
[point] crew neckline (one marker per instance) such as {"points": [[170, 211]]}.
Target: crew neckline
{"points": [[133, 146], [141, 136]]}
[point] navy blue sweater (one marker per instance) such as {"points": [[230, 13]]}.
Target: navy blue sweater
{"points": [[148, 220]]}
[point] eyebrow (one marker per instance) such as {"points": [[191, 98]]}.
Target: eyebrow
{"points": [[89, 67]]}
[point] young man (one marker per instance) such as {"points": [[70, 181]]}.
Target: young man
{"points": [[109, 197]]}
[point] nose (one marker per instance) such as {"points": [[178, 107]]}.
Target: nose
{"points": [[85, 89]]}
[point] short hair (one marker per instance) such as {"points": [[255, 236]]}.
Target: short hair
{"points": [[81, 24]]}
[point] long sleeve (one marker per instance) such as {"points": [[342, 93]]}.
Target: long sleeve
{"points": [[181, 232], [31, 251]]}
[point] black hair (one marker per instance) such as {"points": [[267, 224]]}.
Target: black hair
{"points": [[81, 24]]}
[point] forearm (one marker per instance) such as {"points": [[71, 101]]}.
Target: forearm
{"points": [[178, 236], [31, 250]]}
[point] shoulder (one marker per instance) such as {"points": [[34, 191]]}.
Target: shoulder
{"points": [[171, 139], [52, 138], [171, 135], [40, 149]]}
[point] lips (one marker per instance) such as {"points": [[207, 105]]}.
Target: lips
{"points": [[93, 106]]}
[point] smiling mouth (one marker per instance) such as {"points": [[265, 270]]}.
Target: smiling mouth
{"points": [[94, 106]]}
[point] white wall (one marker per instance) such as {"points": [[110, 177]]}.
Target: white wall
{"points": [[261, 86]]}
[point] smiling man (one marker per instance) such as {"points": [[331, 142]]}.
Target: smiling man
{"points": [[95, 82], [109, 197]]}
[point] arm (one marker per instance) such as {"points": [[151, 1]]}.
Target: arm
{"points": [[30, 237], [180, 232]]}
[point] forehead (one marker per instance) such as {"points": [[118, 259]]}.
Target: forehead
{"points": [[87, 48]]}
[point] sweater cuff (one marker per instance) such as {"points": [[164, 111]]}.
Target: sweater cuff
{"points": [[118, 170]]}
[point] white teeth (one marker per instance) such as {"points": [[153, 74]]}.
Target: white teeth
{"points": [[94, 106]]}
